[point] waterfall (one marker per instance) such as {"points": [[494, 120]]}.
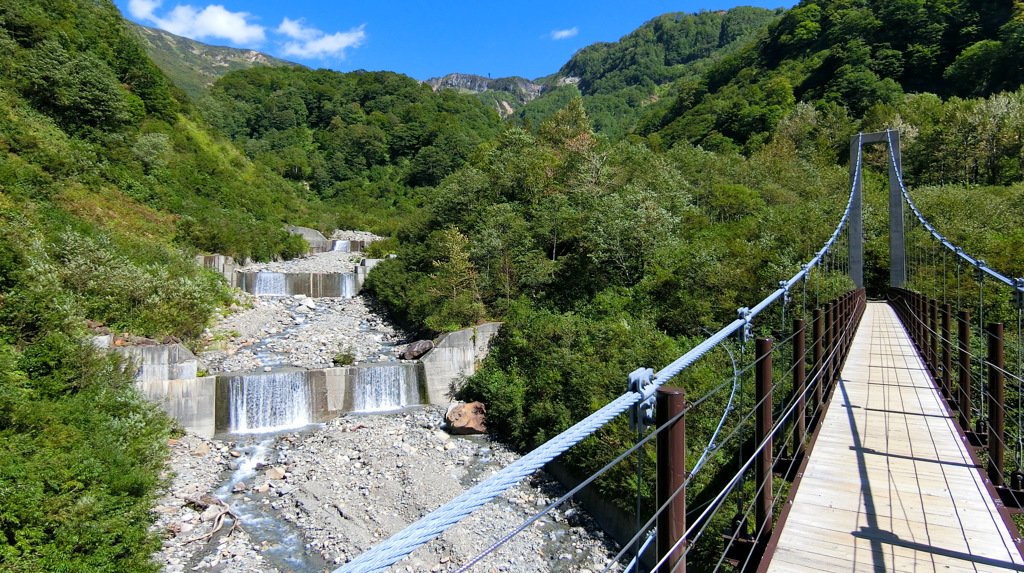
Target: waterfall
{"points": [[270, 284], [387, 387], [348, 285], [269, 402], [344, 246]]}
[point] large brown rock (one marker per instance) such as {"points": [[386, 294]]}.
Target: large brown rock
{"points": [[417, 349], [468, 418]]}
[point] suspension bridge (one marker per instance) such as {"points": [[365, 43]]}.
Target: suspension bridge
{"points": [[866, 435]]}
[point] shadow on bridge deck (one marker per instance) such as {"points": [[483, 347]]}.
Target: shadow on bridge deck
{"points": [[890, 486]]}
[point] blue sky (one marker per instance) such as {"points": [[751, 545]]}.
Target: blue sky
{"points": [[528, 38]]}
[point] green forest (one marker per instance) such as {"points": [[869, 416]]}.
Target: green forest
{"points": [[609, 223]]}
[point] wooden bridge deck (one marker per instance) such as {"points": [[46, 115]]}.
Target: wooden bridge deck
{"points": [[890, 485]]}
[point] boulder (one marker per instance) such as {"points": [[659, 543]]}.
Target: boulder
{"points": [[275, 473], [468, 418], [417, 349]]}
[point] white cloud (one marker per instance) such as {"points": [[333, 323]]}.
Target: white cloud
{"points": [[213, 21], [312, 43], [143, 9], [563, 34], [294, 29]]}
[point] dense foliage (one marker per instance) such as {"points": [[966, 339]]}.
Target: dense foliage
{"points": [[855, 54], [621, 81], [600, 258], [680, 175], [363, 140]]}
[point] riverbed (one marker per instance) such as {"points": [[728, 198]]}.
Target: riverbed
{"points": [[339, 488]]}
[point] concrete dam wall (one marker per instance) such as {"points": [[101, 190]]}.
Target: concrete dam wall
{"points": [[265, 401], [266, 283]]}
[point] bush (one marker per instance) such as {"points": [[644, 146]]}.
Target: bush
{"points": [[81, 461]]}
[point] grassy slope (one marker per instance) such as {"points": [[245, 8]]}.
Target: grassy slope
{"points": [[194, 66]]}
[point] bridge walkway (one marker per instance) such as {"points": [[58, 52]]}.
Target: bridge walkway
{"points": [[890, 485]]}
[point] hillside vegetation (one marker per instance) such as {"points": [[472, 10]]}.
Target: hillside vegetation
{"points": [[621, 81], [853, 55], [365, 141]]}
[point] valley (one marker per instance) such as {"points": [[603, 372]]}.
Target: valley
{"points": [[609, 215]]}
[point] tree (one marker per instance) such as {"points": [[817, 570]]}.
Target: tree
{"points": [[453, 283]]}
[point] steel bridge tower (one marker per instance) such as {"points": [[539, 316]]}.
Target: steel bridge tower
{"points": [[897, 253]]}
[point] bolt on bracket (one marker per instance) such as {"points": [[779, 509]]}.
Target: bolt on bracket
{"points": [[641, 414]]}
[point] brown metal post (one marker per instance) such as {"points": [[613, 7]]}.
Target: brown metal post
{"points": [[947, 351], [762, 434], [919, 323], [799, 374], [915, 323], [842, 335], [829, 342], [933, 337], [671, 451], [996, 443], [816, 373], [963, 374]]}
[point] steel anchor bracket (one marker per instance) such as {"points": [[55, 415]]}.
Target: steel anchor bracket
{"points": [[641, 414], [745, 332]]}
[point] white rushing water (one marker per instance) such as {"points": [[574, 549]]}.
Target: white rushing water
{"points": [[348, 285], [284, 544], [386, 387], [269, 402], [270, 284], [344, 246]]}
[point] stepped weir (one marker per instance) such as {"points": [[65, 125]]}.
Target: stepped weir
{"points": [[267, 283]]}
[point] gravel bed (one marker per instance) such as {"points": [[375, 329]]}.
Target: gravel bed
{"points": [[327, 263], [301, 332], [351, 483]]}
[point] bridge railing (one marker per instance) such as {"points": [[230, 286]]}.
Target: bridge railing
{"points": [[721, 475], [966, 321]]}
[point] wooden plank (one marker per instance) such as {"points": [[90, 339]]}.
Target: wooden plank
{"points": [[888, 445]]}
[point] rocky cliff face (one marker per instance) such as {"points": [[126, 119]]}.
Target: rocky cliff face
{"points": [[523, 89]]}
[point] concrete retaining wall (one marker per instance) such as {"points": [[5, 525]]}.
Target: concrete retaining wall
{"points": [[619, 524], [190, 402], [455, 356], [168, 377], [222, 264], [161, 362], [321, 244]]}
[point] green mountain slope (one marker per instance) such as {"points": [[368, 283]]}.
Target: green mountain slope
{"points": [[366, 141], [194, 66], [620, 81], [855, 55]]}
